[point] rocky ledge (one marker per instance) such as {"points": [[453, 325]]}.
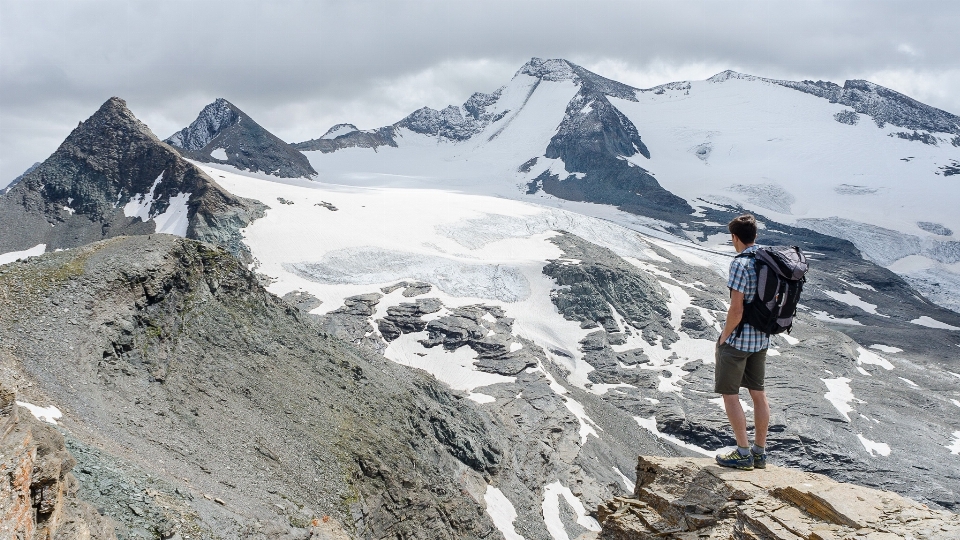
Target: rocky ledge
{"points": [[695, 499]]}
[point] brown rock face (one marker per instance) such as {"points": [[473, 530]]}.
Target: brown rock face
{"points": [[696, 499], [37, 492]]}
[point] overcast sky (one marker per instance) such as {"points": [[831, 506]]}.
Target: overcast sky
{"points": [[300, 67]]}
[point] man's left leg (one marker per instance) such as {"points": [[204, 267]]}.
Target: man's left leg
{"points": [[753, 376]]}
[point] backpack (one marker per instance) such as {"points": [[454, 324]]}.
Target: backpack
{"points": [[781, 273]]}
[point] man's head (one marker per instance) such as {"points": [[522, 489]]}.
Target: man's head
{"points": [[744, 229]]}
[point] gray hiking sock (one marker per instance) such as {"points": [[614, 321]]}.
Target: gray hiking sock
{"points": [[758, 449], [743, 450]]}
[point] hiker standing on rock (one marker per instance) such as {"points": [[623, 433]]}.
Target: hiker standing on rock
{"points": [[753, 315]]}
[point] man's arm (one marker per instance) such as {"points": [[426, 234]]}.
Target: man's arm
{"points": [[734, 315]]}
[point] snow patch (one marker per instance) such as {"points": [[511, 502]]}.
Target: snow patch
{"points": [[481, 398], [933, 323], [789, 339], [551, 511], [49, 414], [886, 348], [455, 368], [875, 448], [140, 204], [650, 424], [840, 395], [175, 220], [826, 317], [867, 357], [11, 256], [501, 512], [219, 153], [954, 448], [851, 299], [630, 485], [908, 381]]}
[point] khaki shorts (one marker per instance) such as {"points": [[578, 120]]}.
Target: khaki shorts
{"points": [[736, 369]]}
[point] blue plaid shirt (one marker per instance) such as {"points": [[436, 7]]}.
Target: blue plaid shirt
{"points": [[743, 278]]}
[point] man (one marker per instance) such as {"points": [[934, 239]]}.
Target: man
{"points": [[741, 356]]}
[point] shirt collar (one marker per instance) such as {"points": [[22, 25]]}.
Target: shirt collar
{"points": [[750, 249]]}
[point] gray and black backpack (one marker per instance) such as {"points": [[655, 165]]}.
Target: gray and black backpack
{"points": [[781, 274]]}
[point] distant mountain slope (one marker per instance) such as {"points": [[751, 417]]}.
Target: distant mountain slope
{"points": [[692, 154], [884, 105], [111, 177], [222, 133]]}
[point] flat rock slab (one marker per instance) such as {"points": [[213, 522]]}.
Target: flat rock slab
{"points": [[696, 498]]}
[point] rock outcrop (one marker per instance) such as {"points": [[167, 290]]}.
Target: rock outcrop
{"points": [[695, 498], [39, 494]]}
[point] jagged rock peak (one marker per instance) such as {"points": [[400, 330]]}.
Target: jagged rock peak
{"points": [[212, 119], [115, 114], [222, 133]]}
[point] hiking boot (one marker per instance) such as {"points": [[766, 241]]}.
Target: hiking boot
{"points": [[736, 461], [759, 460]]}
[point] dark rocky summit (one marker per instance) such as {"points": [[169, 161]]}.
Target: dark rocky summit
{"points": [[222, 133], [112, 161]]}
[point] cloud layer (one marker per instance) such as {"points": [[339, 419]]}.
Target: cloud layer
{"points": [[299, 67]]}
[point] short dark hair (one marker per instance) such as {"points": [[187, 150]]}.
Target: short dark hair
{"points": [[744, 227]]}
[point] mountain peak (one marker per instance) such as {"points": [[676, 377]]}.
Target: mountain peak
{"points": [[556, 69], [728, 74], [211, 120]]}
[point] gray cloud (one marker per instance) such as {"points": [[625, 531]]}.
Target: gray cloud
{"points": [[297, 67]]}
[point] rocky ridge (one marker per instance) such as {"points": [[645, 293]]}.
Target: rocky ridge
{"points": [[694, 498], [222, 133], [173, 340], [111, 177]]}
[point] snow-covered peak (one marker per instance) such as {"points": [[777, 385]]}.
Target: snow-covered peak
{"points": [[730, 74], [212, 119], [339, 130]]}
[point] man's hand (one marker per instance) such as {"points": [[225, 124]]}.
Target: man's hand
{"points": [[734, 315]]}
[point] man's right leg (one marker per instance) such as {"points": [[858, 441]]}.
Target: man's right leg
{"points": [[761, 416]]}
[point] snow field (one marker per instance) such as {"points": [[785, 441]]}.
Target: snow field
{"points": [[551, 511], [11, 256], [219, 153]]}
